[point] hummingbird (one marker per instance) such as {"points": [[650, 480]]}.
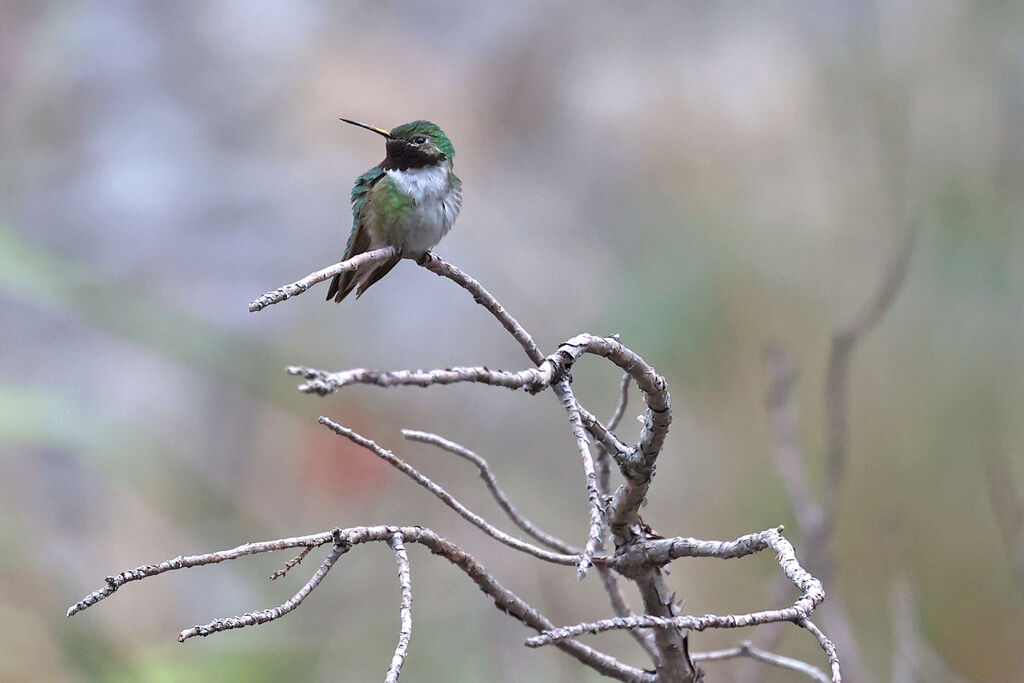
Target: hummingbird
{"points": [[408, 201]]}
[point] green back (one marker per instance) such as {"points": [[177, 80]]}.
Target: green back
{"points": [[359, 195]]}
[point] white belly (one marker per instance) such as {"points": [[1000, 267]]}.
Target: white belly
{"points": [[437, 206]]}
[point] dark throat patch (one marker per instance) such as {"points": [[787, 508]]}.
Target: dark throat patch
{"points": [[403, 156]]}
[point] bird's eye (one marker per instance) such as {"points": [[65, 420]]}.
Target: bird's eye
{"points": [[419, 139]]}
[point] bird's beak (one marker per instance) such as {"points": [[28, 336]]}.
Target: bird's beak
{"points": [[378, 131]]}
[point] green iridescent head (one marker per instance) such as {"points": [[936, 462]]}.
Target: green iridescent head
{"points": [[426, 136], [413, 145]]}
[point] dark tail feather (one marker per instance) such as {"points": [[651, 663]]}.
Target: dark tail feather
{"points": [[344, 283], [377, 273], [335, 286]]}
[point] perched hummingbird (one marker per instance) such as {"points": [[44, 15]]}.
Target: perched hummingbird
{"points": [[408, 201]]}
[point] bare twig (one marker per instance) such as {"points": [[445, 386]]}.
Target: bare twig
{"points": [[291, 563], [603, 450], [436, 265], [405, 609], [263, 616], [183, 562], [300, 286], [448, 499], [827, 646], [748, 649], [595, 535], [487, 475]]}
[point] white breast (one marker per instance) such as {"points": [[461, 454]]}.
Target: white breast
{"points": [[437, 205]]}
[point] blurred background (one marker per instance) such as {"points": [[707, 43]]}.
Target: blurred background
{"points": [[706, 181]]}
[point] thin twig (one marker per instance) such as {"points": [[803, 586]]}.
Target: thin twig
{"points": [[448, 499], [291, 563], [300, 286], [184, 562], [596, 531], [436, 265], [748, 649], [827, 646], [491, 482], [603, 451], [263, 616], [404, 610]]}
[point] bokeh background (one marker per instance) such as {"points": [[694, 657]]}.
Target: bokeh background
{"points": [[705, 180]]}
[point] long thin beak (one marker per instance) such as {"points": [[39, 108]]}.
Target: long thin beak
{"points": [[378, 131]]}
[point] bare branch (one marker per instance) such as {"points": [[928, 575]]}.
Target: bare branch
{"points": [[405, 609], [325, 383], [436, 265], [263, 616], [640, 556], [300, 286], [445, 497], [837, 375], [506, 601], [661, 551], [747, 649], [183, 562], [812, 592], [487, 475]]}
